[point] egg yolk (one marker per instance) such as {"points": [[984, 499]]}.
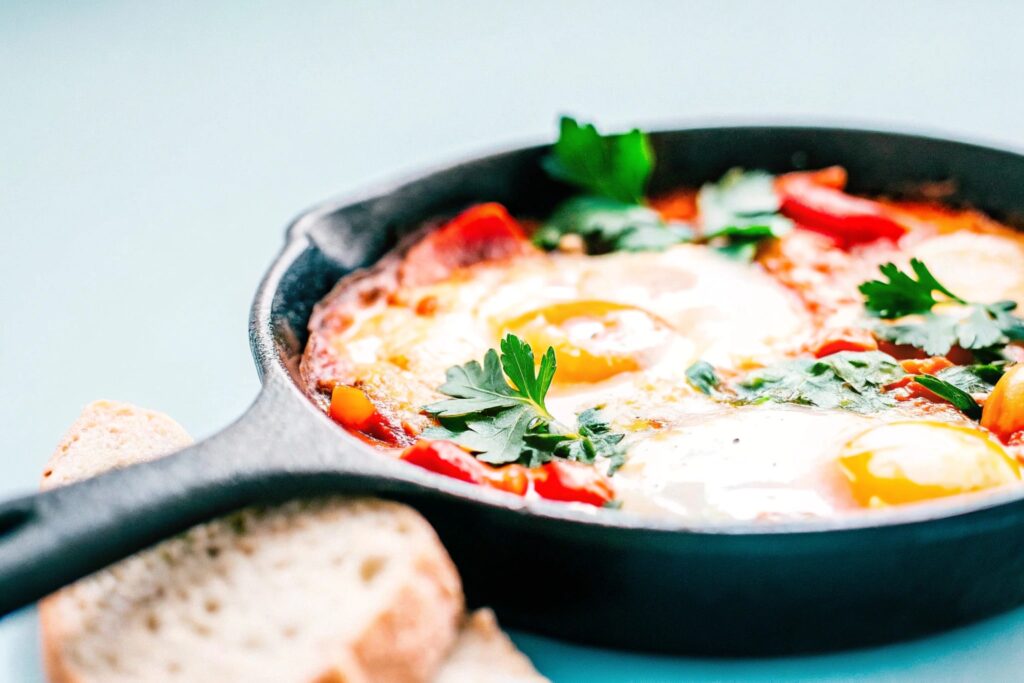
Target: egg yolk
{"points": [[593, 340], [907, 462]]}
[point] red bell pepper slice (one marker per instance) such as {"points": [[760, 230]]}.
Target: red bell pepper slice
{"points": [[449, 459], [480, 233], [572, 482], [845, 339], [560, 480], [814, 202]]}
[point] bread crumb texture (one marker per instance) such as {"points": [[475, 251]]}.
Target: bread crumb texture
{"points": [[290, 599]]}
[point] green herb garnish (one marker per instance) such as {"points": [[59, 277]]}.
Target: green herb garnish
{"points": [[702, 377], [740, 211], [853, 380], [609, 225], [903, 295], [611, 166], [979, 378], [497, 410], [985, 326], [960, 399]]}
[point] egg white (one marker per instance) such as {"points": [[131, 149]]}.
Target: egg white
{"points": [[689, 455], [753, 462]]}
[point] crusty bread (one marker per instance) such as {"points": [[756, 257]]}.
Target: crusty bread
{"points": [[108, 435], [483, 654], [332, 591]]}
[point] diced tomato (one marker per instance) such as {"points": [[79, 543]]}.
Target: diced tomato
{"points": [[831, 176], [680, 205], [846, 339], [829, 211], [1016, 440], [480, 233], [901, 352], [557, 480], [449, 459], [572, 482], [925, 366], [512, 478], [918, 366], [960, 356], [352, 409]]}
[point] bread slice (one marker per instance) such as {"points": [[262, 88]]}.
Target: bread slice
{"points": [[331, 590], [483, 654], [108, 435]]}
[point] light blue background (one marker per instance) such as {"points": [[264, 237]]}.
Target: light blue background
{"points": [[151, 153]]}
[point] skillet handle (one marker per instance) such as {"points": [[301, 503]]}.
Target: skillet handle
{"points": [[270, 454]]}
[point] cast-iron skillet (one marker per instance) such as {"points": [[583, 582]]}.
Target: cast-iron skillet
{"points": [[604, 577]]}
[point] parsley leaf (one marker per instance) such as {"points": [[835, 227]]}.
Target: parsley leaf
{"points": [[739, 211], [974, 379], [991, 322], [983, 327], [518, 362], [902, 294], [960, 399], [852, 380], [933, 334], [702, 377], [498, 411], [609, 225], [474, 389], [592, 439], [613, 166], [497, 439]]}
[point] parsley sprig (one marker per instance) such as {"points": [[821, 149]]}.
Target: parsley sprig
{"points": [[498, 411], [702, 377], [901, 294], [611, 166], [852, 380], [613, 170], [608, 225], [985, 327], [740, 211], [737, 213]]}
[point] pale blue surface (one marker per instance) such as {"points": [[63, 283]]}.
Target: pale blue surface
{"points": [[150, 154]]}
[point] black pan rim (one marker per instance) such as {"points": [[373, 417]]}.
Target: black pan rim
{"points": [[965, 507]]}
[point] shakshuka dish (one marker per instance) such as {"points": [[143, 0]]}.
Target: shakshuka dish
{"points": [[762, 347]]}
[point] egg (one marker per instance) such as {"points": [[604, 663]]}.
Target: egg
{"points": [[593, 340], [643, 316], [908, 462], [976, 266], [743, 463]]}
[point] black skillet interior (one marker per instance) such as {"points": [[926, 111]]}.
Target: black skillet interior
{"points": [[719, 592]]}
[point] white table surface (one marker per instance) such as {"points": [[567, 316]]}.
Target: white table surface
{"points": [[151, 153]]}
